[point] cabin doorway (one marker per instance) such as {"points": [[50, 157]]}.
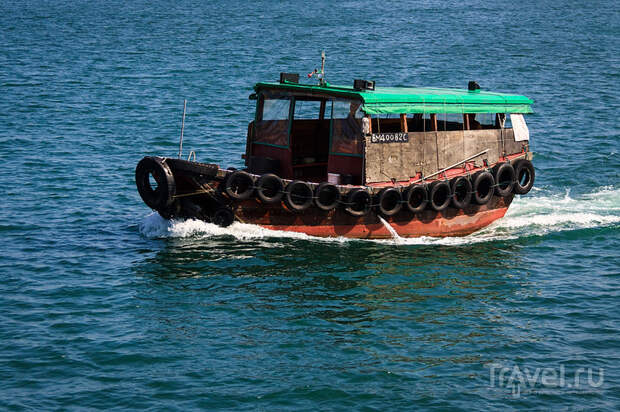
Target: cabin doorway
{"points": [[309, 138]]}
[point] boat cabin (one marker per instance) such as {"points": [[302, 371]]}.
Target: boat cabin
{"points": [[365, 135]]}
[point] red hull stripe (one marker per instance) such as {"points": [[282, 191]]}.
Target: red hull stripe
{"points": [[459, 225]]}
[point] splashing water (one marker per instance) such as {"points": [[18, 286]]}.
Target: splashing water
{"points": [[390, 229], [537, 214]]}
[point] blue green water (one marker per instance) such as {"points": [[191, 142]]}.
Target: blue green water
{"points": [[104, 305]]}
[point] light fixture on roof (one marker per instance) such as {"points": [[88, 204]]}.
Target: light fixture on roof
{"points": [[473, 86], [289, 77], [359, 84]]}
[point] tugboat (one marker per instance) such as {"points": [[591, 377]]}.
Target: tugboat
{"points": [[359, 162]]}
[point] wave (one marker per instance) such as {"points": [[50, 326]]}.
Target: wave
{"points": [[536, 214]]}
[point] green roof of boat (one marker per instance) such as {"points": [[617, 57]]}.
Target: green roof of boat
{"points": [[384, 100]]}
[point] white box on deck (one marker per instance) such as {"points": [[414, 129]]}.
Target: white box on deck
{"points": [[333, 178]]}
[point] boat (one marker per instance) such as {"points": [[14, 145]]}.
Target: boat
{"points": [[358, 161]]}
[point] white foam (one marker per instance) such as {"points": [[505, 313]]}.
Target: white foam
{"points": [[536, 214], [154, 226]]}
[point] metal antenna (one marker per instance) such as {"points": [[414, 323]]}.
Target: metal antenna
{"points": [[323, 67], [182, 127], [320, 74]]}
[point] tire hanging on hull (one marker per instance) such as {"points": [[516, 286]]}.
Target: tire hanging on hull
{"points": [[524, 176], [298, 196], [358, 202], [389, 201], [416, 198], [482, 187], [269, 188], [195, 168], [156, 168], [223, 217], [461, 192], [504, 175], [440, 195], [326, 196], [239, 185]]}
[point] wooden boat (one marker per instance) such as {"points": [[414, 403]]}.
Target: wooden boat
{"points": [[359, 162]]}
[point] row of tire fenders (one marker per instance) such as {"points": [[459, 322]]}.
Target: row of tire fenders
{"points": [[478, 188]]}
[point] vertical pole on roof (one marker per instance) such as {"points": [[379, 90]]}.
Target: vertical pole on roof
{"points": [[322, 67], [182, 127]]}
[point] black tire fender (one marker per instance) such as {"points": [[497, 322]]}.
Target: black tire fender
{"points": [[461, 192], [239, 185], [223, 217], [440, 195], [326, 196], [163, 195], [358, 202], [269, 188], [195, 168], [524, 176], [390, 201], [504, 175], [298, 196], [416, 198], [482, 187]]}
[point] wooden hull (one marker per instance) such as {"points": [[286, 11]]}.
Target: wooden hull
{"points": [[450, 222]]}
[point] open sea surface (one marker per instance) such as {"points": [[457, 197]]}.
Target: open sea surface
{"points": [[105, 305]]}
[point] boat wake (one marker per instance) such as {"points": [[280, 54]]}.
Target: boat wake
{"points": [[537, 214]]}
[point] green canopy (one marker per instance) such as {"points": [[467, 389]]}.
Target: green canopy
{"points": [[386, 100]]}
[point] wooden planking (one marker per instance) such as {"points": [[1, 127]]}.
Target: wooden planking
{"points": [[431, 151], [476, 141], [393, 164], [413, 154], [372, 154], [510, 146], [451, 148], [398, 161]]}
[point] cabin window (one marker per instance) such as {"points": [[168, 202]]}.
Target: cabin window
{"points": [[346, 128], [307, 109], [419, 122], [386, 123], [487, 120], [272, 123], [447, 122], [276, 109], [480, 121]]}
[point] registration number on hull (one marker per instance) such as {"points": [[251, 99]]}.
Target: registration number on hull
{"points": [[389, 138]]}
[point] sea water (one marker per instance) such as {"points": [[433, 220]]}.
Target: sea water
{"points": [[105, 305]]}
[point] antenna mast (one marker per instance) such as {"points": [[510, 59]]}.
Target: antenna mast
{"points": [[182, 127], [322, 77]]}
